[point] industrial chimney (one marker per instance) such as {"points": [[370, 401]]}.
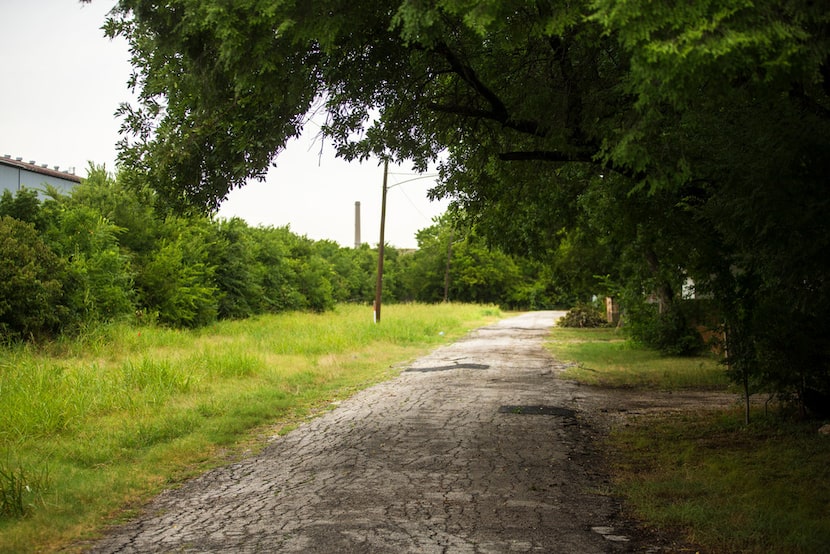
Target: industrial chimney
{"points": [[357, 225]]}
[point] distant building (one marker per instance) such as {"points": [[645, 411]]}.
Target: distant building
{"points": [[15, 174]]}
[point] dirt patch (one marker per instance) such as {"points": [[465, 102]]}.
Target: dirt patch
{"points": [[608, 406], [603, 409]]}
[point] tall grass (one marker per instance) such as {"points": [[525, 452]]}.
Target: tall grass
{"points": [[100, 423], [20, 489]]}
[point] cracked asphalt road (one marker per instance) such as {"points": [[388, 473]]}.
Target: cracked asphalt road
{"points": [[477, 447]]}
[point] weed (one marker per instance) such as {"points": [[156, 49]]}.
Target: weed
{"points": [[21, 490], [158, 377]]}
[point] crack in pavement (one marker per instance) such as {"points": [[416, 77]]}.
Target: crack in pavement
{"points": [[425, 462]]}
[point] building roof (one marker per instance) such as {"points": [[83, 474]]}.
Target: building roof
{"points": [[43, 169]]}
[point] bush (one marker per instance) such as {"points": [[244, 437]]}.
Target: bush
{"points": [[31, 282], [238, 274], [583, 315], [24, 205], [177, 287], [100, 286], [669, 332]]}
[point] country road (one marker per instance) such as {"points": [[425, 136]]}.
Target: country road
{"points": [[477, 447]]}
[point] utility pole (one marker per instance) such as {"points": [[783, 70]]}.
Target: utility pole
{"points": [[447, 271], [379, 284]]}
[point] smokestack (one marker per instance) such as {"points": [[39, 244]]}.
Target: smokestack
{"points": [[357, 242]]}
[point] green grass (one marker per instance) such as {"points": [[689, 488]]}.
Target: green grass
{"points": [[604, 357], [725, 486], [706, 476], [93, 427]]}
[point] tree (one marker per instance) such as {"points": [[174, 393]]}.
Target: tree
{"points": [[223, 86], [279, 281], [24, 205], [313, 275], [453, 263], [95, 277], [712, 118], [363, 278], [127, 202]]}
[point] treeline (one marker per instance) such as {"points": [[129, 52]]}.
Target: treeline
{"points": [[108, 251]]}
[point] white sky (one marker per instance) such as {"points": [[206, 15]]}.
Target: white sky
{"points": [[61, 81]]}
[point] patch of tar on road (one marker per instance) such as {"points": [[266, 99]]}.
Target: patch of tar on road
{"points": [[538, 410], [435, 460], [448, 367]]}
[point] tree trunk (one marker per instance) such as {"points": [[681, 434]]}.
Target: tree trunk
{"points": [[663, 291]]}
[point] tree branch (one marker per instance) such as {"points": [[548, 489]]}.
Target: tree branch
{"points": [[546, 156], [573, 92], [527, 127], [824, 69], [461, 110], [469, 76], [498, 111], [808, 102], [579, 156]]}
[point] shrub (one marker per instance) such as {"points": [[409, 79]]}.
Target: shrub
{"points": [[24, 205], [583, 315], [238, 275], [670, 331], [100, 286], [177, 287], [31, 287]]}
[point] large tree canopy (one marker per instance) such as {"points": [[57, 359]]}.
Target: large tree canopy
{"points": [[223, 85], [701, 128]]}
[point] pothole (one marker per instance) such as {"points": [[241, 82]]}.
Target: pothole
{"points": [[538, 410]]}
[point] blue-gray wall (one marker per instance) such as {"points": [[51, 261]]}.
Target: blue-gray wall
{"points": [[14, 175]]}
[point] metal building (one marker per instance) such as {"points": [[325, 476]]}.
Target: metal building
{"points": [[16, 174]]}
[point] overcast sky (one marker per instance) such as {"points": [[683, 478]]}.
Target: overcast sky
{"points": [[62, 81]]}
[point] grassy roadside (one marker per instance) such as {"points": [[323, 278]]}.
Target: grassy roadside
{"points": [[91, 428], [720, 484], [603, 356]]}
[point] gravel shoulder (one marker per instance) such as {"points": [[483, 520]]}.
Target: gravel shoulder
{"points": [[477, 447]]}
